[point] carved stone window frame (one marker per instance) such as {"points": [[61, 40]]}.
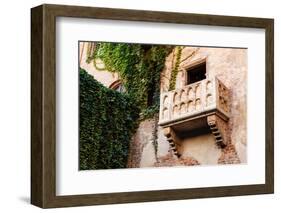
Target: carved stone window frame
{"points": [[186, 66]]}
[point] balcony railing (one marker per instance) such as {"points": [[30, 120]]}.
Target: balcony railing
{"points": [[195, 100]]}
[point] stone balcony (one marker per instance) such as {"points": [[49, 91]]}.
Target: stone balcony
{"points": [[195, 108]]}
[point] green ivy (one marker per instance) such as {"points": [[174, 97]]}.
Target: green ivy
{"points": [[175, 69], [108, 120], [139, 67]]}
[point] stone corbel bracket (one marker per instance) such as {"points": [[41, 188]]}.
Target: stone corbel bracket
{"points": [[173, 140], [219, 129]]}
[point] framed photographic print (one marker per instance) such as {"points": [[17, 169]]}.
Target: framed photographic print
{"points": [[136, 106]]}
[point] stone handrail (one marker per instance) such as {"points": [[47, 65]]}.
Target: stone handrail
{"points": [[194, 99]]}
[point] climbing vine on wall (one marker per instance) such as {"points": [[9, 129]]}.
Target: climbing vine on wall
{"points": [[107, 120], [139, 67], [175, 68]]}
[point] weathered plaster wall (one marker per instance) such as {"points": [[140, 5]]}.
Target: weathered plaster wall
{"points": [[142, 149], [105, 77], [198, 150], [230, 66], [202, 148]]}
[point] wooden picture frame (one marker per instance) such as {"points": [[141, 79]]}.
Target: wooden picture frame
{"points": [[43, 105]]}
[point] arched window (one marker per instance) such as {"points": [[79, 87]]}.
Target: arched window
{"points": [[117, 86]]}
